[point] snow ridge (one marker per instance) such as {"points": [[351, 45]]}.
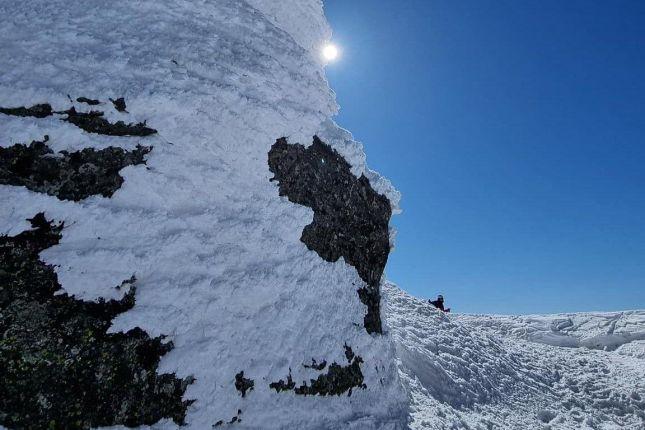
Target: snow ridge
{"points": [[596, 330], [465, 371]]}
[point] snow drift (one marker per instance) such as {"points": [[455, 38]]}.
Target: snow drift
{"points": [[490, 372], [136, 137]]}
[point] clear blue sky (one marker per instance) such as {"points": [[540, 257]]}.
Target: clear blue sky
{"points": [[515, 131]]}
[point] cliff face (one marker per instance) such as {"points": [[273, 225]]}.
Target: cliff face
{"points": [[144, 134], [60, 368], [350, 219]]}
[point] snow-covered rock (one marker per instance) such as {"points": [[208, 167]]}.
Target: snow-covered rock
{"points": [[265, 332], [220, 269]]}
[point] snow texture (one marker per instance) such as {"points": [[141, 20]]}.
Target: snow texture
{"points": [[216, 251], [607, 330], [500, 372]]}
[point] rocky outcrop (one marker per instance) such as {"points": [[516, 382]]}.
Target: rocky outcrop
{"points": [[315, 365], [283, 385], [336, 381], [243, 384], [119, 104], [94, 122], [351, 220], [91, 102], [60, 367], [36, 111], [67, 175], [236, 419], [91, 122]]}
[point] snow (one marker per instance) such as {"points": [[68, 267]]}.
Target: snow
{"points": [[487, 371], [597, 330], [304, 21], [217, 253]]}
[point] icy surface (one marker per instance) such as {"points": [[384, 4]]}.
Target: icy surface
{"points": [[490, 372]]}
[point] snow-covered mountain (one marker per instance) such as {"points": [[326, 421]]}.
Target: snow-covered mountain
{"points": [[188, 239], [573, 371]]}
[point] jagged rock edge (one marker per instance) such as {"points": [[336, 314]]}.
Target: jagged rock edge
{"points": [[369, 255], [70, 175], [42, 394]]}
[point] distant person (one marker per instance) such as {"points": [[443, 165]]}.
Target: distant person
{"points": [[439, 303]]}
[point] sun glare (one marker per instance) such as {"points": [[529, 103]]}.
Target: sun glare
{"points": [[330, 52]]}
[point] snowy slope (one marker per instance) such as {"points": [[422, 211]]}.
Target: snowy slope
{"points": [[598, 330], [465, 371]]}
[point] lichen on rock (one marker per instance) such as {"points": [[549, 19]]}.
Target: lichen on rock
{"points": [[60, 367], [67, 175], [351, 220]]}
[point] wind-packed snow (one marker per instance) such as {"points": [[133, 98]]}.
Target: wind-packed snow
{"points": [[596, 330], [216, 252], [304, 21], [500, 372]]}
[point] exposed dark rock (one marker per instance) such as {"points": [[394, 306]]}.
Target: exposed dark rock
{"points": [[67, 175], [91, 102], [37, 111], [350, 218], [316, 366], [235, 419], [282, 385], [93, 122], [243, 384], [119, 104], [370, 296], [338, 379], [60, 368], [349, 354]]}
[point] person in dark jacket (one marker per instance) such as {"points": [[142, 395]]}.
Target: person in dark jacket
{"points": [[439, 303]]}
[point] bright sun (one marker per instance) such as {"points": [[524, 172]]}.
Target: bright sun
{"points": [[330, 52]]}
